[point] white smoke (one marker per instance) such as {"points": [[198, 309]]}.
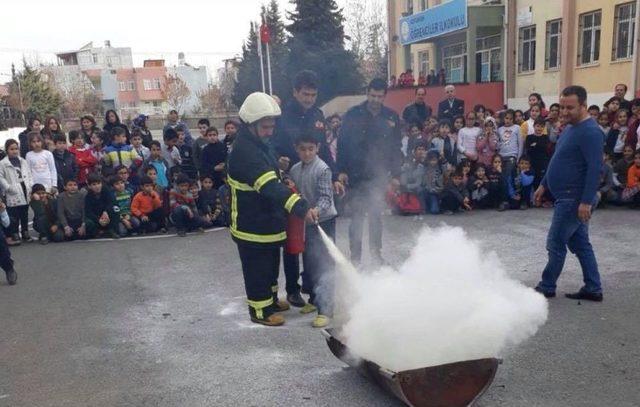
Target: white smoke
{"points": [[450, 301]]}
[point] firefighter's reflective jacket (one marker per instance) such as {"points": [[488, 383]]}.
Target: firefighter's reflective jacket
{"points": [[260, 202]]}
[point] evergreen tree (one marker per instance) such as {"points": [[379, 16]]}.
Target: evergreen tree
{"points": [[31, 93], [248, 69], [316, 42], [249, 77]]}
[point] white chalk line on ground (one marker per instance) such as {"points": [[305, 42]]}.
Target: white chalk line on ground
{"points": [[162, 236]]}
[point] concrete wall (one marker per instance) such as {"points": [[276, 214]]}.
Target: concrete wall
{"points": [[488, 94]]}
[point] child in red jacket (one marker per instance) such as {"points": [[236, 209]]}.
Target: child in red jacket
{"points": [[85, 160]]}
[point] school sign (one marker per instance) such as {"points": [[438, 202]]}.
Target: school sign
{"points": [[442, 19]]}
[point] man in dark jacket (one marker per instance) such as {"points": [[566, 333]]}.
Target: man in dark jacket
{"points": [[369, 156], [418, 111], [451, 106], [300, 115], [260, 203]]}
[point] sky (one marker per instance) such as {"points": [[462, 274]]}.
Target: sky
{"points": [[207, 31]]}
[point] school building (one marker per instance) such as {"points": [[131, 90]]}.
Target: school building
{"points": [[497, 52], [592, 43]]}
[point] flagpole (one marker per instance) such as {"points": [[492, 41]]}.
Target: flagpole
{"points": [[269, 69], [261, 63]]}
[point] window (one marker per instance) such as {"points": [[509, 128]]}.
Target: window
{"points": [[423, 5], [527, 49], [423, 63], [454, 58], [156, 103], [146, 84], [554, 40], [409, 7], [489, 59], [625, 26], [95, 58], [589, 31], [156, 83], [131, 86], [123, 86]]}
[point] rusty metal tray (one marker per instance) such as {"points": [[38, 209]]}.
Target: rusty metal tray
{"points": [[448, 385]]}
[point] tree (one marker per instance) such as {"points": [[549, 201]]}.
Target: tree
{"points": [[32, 93], [249, 76], [78, 93], [367, 36], [177, 92], [316, 42], [210, 100]]}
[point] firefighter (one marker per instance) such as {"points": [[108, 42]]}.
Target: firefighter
{"points": [[259, 206]]}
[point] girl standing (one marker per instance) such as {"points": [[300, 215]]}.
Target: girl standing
{"points": [[51, 129], [42, 164], [16, 181]]}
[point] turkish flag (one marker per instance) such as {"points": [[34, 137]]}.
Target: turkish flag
{"points": [[265, 35]]}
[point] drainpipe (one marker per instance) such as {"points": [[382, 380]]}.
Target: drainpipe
{"points": [[505, 52], [635, 64]]}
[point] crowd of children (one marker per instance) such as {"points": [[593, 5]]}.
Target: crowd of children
{"points": [[113, 182], [487, 160]]}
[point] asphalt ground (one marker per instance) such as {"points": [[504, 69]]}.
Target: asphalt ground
{"points": [[162, 322]]}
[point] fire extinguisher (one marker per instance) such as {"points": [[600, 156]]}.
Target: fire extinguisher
{"points": [[295, 231]]}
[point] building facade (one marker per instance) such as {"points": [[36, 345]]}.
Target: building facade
{"points": [[129, 90], [462, 39], [592, 43]]}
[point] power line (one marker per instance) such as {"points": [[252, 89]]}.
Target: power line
{"points": [[198, 53]]}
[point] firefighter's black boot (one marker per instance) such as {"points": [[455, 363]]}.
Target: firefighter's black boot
{"points": [[278, 306], [262, 312]]}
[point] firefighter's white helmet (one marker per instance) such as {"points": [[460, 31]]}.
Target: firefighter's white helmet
{"points": [[258, 106]]}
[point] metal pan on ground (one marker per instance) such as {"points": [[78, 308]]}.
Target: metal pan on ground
{"points": [[450, 385]]}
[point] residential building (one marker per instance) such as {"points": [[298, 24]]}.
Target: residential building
{"points": [[592, 43], [464, 38], [89, 57], [196, 79]]}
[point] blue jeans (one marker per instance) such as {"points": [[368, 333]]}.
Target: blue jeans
{"points": [[568, 231], [432, 203]]}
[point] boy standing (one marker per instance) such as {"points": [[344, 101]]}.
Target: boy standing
{"points": [[521, 186], [509, 143], [66, 166], [214, 157], [312, 177], [187, 164], [119, 152], [200, 143], [140, 149], [71, 211], [99, 216], [433, 183], [159, 163], [169, 150]]}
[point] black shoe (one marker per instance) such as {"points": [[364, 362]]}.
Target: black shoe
{"points": [[43, 240], [26, 237], [296, 300], [546, 294], [582, 295], [114, 235], [182, 232], [12, 277]]}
